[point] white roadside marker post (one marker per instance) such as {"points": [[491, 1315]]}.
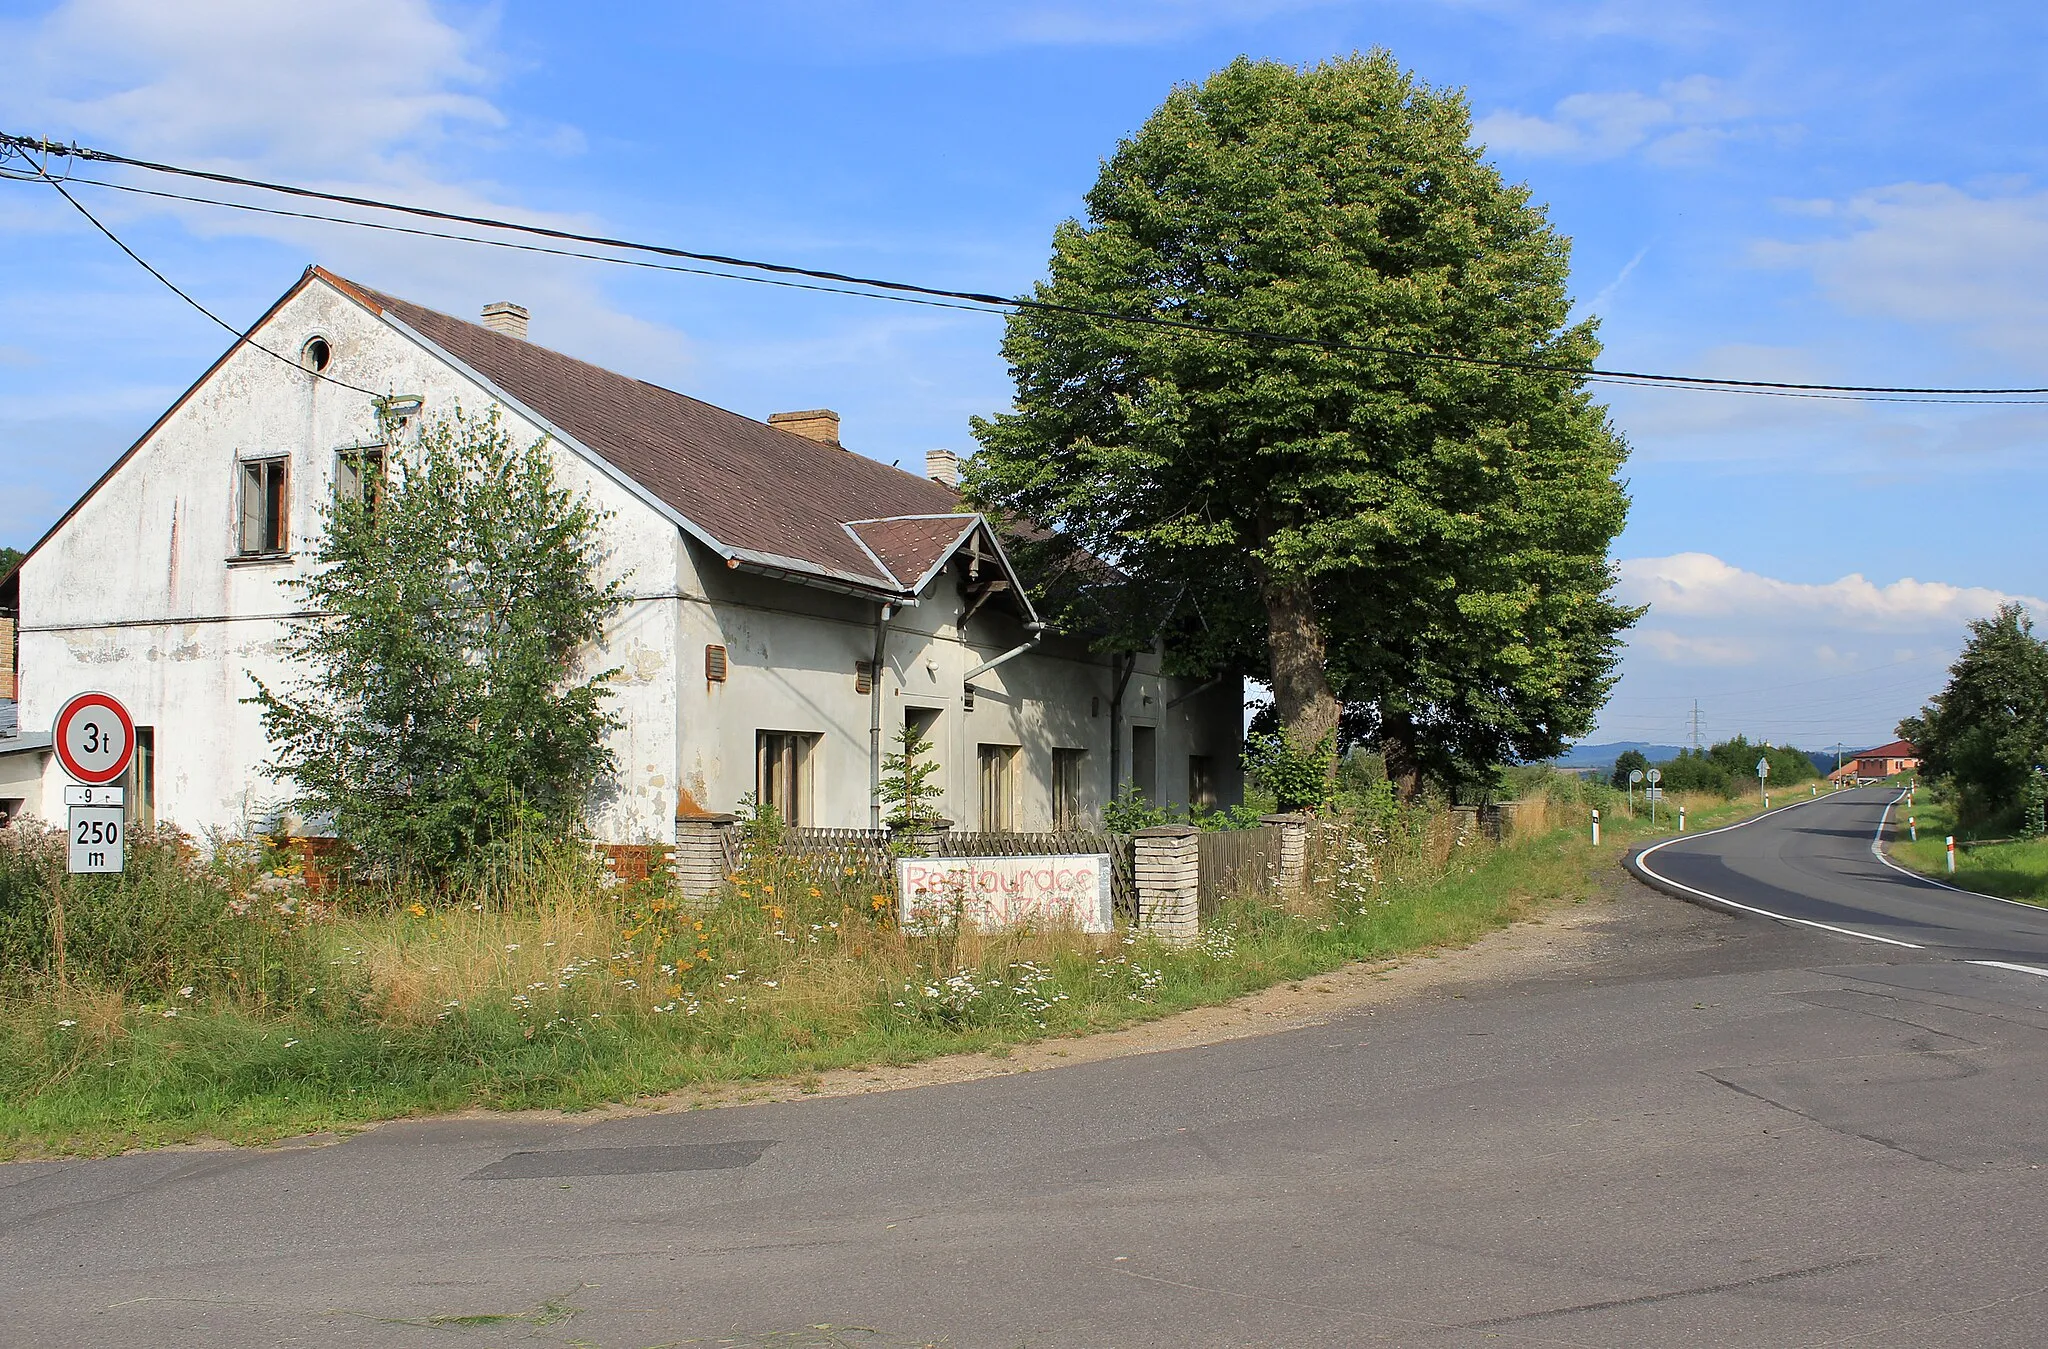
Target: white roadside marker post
{"points": [[1596, 828], [1681, 819], [1951, 854], [1913, 828]]}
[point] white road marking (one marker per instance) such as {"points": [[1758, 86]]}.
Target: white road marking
{"points": [[1642, 864], [1877, 851], [2007, 964]]}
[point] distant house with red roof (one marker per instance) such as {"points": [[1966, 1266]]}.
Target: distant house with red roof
{"points": [[1885, 761]]}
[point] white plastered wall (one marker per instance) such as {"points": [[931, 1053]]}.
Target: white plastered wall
{"points": [[138, 593]]}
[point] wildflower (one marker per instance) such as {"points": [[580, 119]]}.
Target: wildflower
{"points": [[67, 1023], [767, 889], [775, 912], [185, 992], [416, 910], [512, 946], [704, 955], [170, 1011], [878, 902], [289, 1043], [770, 983], [816, 892]]}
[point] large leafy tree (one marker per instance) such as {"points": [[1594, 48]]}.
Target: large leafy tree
{"points": [[8, 558], [1413, 547], [443, 716], [1987, 730]]}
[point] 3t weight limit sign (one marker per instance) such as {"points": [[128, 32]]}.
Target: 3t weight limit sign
{"points": [[95, 742]]}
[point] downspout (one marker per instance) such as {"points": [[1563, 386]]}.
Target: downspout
{"points": [[1037, 631], [883, 613], [1122, 664]]}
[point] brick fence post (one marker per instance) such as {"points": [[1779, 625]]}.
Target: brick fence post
{"points": [[1293, 871], [700, 854], [1167, 861]]}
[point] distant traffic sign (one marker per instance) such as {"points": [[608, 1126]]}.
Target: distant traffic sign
{"points": [[94, 738], [1655, 775], [1763, 768], [1635, 775]]}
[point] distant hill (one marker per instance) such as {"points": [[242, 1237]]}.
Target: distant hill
{"points": [[1603, 756]]}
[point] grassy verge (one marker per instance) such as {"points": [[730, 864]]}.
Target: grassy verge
{"points": [[210, 998], [2015, 869]]}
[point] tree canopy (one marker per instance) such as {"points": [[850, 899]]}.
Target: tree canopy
{"points": [[8, 558], [1987, 730], [443, 716], [1408, 549]]}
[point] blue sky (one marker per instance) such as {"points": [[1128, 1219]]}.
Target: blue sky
{"points": [[1846, 193]]}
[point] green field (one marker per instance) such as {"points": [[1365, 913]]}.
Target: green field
{"points": [[2011, 869]]}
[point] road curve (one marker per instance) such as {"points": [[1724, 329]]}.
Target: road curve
{"points": [[1818, 863]]}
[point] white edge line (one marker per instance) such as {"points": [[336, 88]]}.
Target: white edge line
{"points": [[2008, 965], [1641, 863], [1877, 851]]}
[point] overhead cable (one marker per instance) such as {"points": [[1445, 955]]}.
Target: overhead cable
{"points": [[30, 147]]}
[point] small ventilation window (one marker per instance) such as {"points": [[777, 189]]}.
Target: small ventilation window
{"points": [[714, 664], [863, 676], [316, 354], [967, 699]]}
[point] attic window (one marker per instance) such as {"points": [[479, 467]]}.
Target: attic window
{"points": [[714, 664], [316, 354]]}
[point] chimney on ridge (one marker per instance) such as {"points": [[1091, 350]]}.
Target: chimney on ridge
{"points": [[507, 318], [819, 424], [942, 466]]}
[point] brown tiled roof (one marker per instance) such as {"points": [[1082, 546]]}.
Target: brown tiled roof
{"points": [[910, 546], [751, 487]]}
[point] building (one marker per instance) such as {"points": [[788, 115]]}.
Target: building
{"points": [[1885, 761], [790, 604]]}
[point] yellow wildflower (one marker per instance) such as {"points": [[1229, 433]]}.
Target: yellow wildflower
{"points": [[417, 910]]}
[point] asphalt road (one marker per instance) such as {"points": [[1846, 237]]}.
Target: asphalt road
{"points": [[1817, 862], [1697, 1128]]}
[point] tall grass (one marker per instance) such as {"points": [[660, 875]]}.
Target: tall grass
{"points": [[205, 992]]}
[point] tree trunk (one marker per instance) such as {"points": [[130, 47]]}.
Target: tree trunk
{"points": [[1404, 762], [1301, 683]]}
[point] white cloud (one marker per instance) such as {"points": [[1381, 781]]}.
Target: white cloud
{"points": [[249, 80], [1700, 585], [1683, 121], [1807, 663], [1932, 253], [1679, 649]]}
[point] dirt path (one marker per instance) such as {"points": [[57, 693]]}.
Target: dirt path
{"points": [[1557, 938]]}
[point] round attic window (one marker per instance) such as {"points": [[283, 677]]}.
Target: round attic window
{"points": [[316, 354]]}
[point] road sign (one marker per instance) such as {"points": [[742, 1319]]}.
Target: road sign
{"points": [[94, 738], [1763, 768], [1635, 775], [97, 835], [95, 796], [1655, 776], [1653, 793]]}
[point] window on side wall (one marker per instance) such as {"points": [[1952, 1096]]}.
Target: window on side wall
{"points": [[1201, 781], [1145, 763], [1067, 768], [783, 762], [140, 780], [999, 788], [359, 475], [266, 504]]}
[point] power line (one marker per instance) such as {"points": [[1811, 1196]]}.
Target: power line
{"points": [[30, 147], [172, 286]]}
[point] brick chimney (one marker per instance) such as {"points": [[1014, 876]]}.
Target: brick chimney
{"points": [[942, 466], [819, 424], [507, 318]]}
